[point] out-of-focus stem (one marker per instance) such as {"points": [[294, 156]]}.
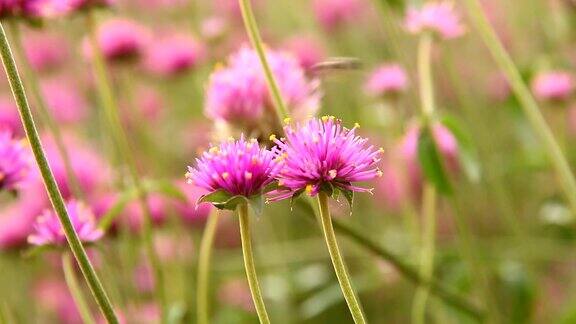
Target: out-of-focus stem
{"points": [[244, 220], [338, 261], [204, 260], [75, 290], [45, 114], [256, 40], [531, 109], [50, 183], [120, 138]]}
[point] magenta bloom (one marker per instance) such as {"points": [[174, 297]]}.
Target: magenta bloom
{"points": [[439, 18], [238, 93], [120, 40], [8, 7], [64, 100], [321, 153], [45, 51], [173, 55], [189, 211], [307, 50], [15, 159], [553, 86], [332, 14], [48, 230], [9, 118], [239, 168], [386, 80]]}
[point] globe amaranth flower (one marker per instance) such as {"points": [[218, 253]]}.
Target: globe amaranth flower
{"points": [[238, 93], [45, 51], [173, 55], [332, 14], [238, 168], [386, 80], [322, 153], [49, 231], [120, 40], [440, 18], [15, 162], [306, 49], [553, 86]]}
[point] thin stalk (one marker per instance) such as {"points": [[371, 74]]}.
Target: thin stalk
{"points": [[528, 103], [120, 138], [256, 40], [338, 261], [427, 254], [50, 183], [45, 114], [428, 246], [204, 261], [249, 264], [75, 290]]}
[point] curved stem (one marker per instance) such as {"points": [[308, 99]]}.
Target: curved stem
{"points": [[75, 291], [256, 40], [531, 109], [204, 260], [49, 181], [338, 261], [120, 138], [45, 114], [249, 264], [427, 253]]}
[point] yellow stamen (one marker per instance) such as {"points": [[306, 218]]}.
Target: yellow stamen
{"points": [[309, 189], [272, 137], [287, 120], [248, 175]]}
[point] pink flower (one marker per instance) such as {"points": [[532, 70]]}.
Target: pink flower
{"points": [[321, 153], [44, 8], [173, 55], [213, 28], [49, 231], [8, 7], [120, 40], [15, 162], [307, 50], [189, 211], [53, 295], [134, 217], [45, 51], [439, 18], [64, 100], [17, 218], [386, 80], [240, 168], [9, 117], [238, 93], [332, 14], [553, 86]]}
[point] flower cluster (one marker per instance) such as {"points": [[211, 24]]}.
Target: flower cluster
{"points": [[49, 231], [440, 18], [553, 86], [322, 153], [120, 40], [238, 93], [14, 162], [173, 55], [389, 79], [240, 168]]}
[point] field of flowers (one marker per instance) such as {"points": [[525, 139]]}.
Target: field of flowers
{"points": [[287, 161]]}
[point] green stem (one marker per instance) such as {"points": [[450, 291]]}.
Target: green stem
{"points": [[427, 253], [531, 109], [249, 264], [256, 40], [120, 138], [45, 114], [425, 75], [49, 181], [204, 261], [338, 261], [75, 290]]}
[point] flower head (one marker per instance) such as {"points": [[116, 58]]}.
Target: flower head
{"points": [[8, 7], [173, 55], [306, 49], [49, 231], [14, 162], [387, 80], [239, 168], [45, 51], [439, 18], [120, 40], [553, 86], [238, 93], [322, 153], [332, 14]]}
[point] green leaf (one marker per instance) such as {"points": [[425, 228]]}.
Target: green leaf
{"points": [[222, 200], [270, 187], [431, 163], [327, 187], [218, 196], [349, 195], [467, 154], [232, 203]]}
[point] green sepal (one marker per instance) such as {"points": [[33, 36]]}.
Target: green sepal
{"points": [[431, 162]]}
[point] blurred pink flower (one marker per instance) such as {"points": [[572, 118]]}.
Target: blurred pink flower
{"points": [[236, 293], [120, 40], [238, 92], [173, 55], [144, 278], [9, 7], [133, 215], [389, 79], [9, 117], [439, 18], [150, 103], [391, 187], [213, 28], [49, 231], [307, 50], [45, 8], [553, 85], [53, 296], [332, 14], [64, 100], [15, 162], [45, 51], [188, 210], [17, 218]]}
